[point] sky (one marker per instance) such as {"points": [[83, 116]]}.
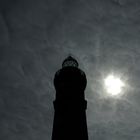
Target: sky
{"points": [[37, 35]]}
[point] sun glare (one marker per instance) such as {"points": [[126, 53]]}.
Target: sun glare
{"points": [[113, 85]]}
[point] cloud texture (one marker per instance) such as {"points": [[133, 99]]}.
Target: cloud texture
{"points": [[35, 37]]}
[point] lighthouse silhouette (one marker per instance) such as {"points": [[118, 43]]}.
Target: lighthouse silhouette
{"points": [[70, 104]]}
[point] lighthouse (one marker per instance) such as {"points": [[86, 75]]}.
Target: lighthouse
{"points": [[70, 104]]}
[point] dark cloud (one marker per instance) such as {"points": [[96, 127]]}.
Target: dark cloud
{"points": [[35, 37]]}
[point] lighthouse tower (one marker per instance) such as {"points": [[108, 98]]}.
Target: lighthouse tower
{"points": [[70, 104]]}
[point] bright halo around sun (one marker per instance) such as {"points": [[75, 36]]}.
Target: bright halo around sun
{"points": [[113, 85]]}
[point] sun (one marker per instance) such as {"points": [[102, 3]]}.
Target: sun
{"points": [[113, 85]]}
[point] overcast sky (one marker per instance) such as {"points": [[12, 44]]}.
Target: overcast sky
{"points": [[37, 35]]}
